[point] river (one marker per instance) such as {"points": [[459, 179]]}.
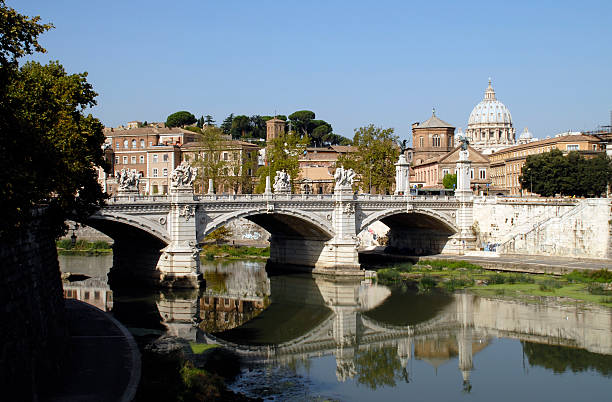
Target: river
{"points": [[313, 338]]}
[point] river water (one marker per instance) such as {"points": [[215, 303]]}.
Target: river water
{"points": [[313, 338]]}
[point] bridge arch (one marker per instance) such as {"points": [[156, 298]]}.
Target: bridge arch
{"points": [[380, 216], [287, 222], [419, 231], [105, 220]]}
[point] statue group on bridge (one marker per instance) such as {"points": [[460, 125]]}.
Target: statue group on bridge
{"points": [[282, 182], [183, 176], [344, 178], [128, 180]]}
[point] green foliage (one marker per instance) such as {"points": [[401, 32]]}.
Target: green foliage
{"points": [[458, 283], [450, 180], [561, 359], [374, 161], [449, 264], [427, 283], [50, 148], [549, 285], [241, 126], [553, 173], [300, 121], [282, 153], [378, 366], [601, 275], [387, 276], [179, 119], [219, 235], [199, 348], [226, 126], [18, 36]]}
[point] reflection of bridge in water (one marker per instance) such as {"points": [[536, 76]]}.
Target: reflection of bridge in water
{"points": [[315, 316]]}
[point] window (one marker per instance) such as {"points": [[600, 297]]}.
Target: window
{"points": [[165, 157], [133, 143], [155, 188], [165, 172], [125, 143], [572, 147], [472, 174], [118, 145], [125, 160], [445, 172], [117, 160], [155, 172], [250, 172], [482, 174], [141, 158], [436, 140], [225, 156], [141, 143], [594, 147], [133, 159], [150, 143], [154, 158], [421, 142]]}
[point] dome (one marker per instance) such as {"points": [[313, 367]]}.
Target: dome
{"points": [[526, 135], [490, 110]]}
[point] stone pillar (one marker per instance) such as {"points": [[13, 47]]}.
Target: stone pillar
{"points": [[211, 188], [179, 264], [464, 240], [268, 186], [402, 176], [340, 253]]}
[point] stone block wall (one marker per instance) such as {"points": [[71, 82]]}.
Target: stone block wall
{"points": [[33, 332], [545, 227]]}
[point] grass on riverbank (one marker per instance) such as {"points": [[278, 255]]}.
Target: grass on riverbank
{"points": [[199, 348], [82, 247], [212, 251], [452, 275]]}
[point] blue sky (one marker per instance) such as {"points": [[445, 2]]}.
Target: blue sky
{"points": [[351, 62]]}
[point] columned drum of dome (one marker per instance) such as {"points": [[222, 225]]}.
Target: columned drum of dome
{"points": [[490, 125]]}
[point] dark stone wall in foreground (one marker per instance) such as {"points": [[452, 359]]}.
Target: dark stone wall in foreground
{"points": [[32, 331]]}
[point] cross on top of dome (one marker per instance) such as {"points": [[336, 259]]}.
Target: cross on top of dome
{"points": [[490, 92]]}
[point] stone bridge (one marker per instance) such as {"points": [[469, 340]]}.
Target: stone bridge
{"points": [[316, 231]]}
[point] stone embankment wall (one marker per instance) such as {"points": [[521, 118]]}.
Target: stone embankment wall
{"points": [[554, 227], [33, 331]]}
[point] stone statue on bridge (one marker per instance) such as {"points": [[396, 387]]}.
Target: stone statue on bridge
{"points": [[128, 180], [183, 176], [344, 178], [282, 182]]}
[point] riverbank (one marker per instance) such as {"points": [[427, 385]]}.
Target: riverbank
{"points": [[212, 251], [450, 275], [83, 247]]}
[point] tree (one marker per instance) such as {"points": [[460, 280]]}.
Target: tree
{"points": [[220, 235], [179, 119], [379, 367], [375, 158], [449, 180], [258, 126], [208, 120], [300, 120], [208, 161], [241, 125], [226, 126], [553, 173], [282, 153], [50, 148], [200, 122]]}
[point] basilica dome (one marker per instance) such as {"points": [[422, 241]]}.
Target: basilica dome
{"points": [[490, 124]]}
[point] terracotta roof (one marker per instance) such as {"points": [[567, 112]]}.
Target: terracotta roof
{"points": [[227, 143], [434, 122]]}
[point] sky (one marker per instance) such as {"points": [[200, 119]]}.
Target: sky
{"points": [[353, 63]]}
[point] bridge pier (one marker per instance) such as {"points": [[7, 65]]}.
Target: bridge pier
{"points": [[179, 263], [464, 240]]}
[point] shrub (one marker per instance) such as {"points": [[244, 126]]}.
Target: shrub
{"points": [[427, 283], [497, 279], [387, 276], [550, 285], [450, 264]]}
